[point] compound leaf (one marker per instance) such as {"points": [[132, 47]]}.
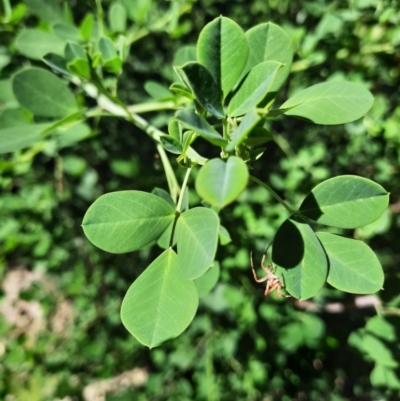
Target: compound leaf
{"points": [[203, 87], [353, 266], [42, 93], [330, 103], [300, 259], [197, 240], [222, 48], [125, 221], [161, 303], [347, 201], [220, 183]]}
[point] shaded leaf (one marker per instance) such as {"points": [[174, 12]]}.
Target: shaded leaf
{"points": [[346, 201], [222, 49], [300, 259], [161, 303], [125, 221], [203, 87]]}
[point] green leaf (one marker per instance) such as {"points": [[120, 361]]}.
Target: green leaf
{"points": [[42, 93], [189, 119], [20, 137], [249, 122], [220, 183], [15, 118], [208, 280], [330, 103], [170, 144], [197, 240], [347, 201], [161, 303], [269, 42], [56, 63], [174, 129], [224, 236], [77, 61], [379, 351], [71, 134], [125, 221], [222, 49], [258, 136], [384, 327], [184, 55], [110, 60], [34, 43], [46, 10], [353, 266], [67, 32], [181, 90], [382, 376], [203, 87], [117, 16], [300, 259], [157, 91], [163, 194], [86, 27], [254, 88]]}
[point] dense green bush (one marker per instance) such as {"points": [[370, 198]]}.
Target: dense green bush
{"points": [[60, 324]]}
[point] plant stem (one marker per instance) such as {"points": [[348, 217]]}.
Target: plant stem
{"points": [[182, 192], [274, 194], [100, 14], [169, 173], [179, 205], [7, 10]]}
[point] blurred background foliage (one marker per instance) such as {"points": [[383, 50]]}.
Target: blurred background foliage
{"points": [[61, 334]]}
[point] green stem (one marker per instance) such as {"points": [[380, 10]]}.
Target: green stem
{"points": [[274, 194], [179, 205], [7, 10], [100, 14], [143, 124], [169, 173], [182, 193]]}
